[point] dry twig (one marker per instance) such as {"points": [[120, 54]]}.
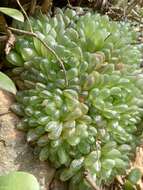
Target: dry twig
{"points": [[90, 181], [10, 41], [131, 6], [24, 12]]}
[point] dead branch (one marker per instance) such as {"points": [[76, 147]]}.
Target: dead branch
{"points": [[90, 181], [10, 41], [24, 12]]}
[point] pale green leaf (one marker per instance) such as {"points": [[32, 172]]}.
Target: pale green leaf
{"points": [[14, 13], [6, 83], [18, 181]]}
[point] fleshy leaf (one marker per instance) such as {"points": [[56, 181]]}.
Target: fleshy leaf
{"points": [[134, 175]]}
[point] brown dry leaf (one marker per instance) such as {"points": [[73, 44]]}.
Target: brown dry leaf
{"points": [[46, 5]]}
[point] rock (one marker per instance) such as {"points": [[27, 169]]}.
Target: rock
{"points": [[16, 154], [6, 99]]}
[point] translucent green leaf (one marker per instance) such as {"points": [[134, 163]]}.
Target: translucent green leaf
{"points": [[44, 153], [108, 164], [114, 153], [76, 164], [66, 174], [15, 59], [120, 163], [62, 155], [135, 175], [128, 186]]}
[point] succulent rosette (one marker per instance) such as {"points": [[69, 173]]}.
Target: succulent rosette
{"points": [[91, 122]]}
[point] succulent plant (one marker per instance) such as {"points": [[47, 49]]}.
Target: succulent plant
{"points": [[91, 123]]}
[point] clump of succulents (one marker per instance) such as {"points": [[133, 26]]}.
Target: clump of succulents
{"points": [[91, 122]]}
